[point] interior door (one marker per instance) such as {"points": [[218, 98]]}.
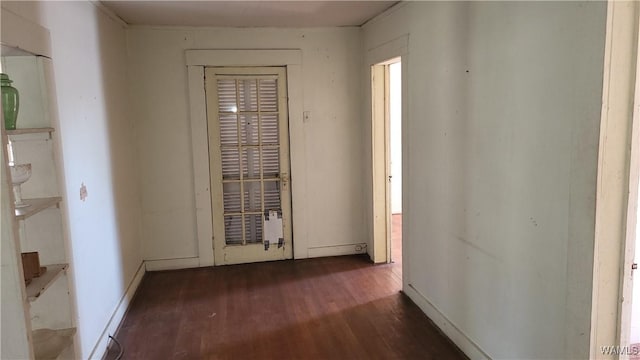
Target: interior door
{"points": [[249, 164]]}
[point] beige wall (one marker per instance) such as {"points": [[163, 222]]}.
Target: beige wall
{"points": [[332, 145], [501, 147]]}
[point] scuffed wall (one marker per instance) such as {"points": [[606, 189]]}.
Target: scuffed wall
{"points": [[500, 177], [331, 144]]}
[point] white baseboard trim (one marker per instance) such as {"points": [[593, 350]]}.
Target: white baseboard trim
{"points": [[470, 348], [172, 264], [337, 250], [101, 346]]}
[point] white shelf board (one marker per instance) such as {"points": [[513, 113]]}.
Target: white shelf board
{"points": [[36, 205], [40, 284], [30, 131], [49, 344]]}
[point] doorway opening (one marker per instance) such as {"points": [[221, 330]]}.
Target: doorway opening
{"points": [[386, 85]]}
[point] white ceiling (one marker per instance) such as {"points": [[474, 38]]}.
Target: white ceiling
{"points": [[248, 13]]}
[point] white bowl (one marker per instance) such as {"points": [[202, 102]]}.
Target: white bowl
{"points": [[20, 173]]}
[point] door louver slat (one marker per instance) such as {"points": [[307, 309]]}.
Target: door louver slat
{"points": [[249, 106]]}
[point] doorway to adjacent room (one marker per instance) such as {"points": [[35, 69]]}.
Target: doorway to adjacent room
{"points": [[386, 85]]}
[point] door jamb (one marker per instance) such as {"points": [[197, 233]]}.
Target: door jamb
{"points": [[379, 161], [626, 272], [613, 181]]}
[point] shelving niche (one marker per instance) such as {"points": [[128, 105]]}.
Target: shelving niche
{"points": [[46, 301]]}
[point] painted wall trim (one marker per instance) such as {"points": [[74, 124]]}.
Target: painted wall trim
{"points": [[457, 336], [629, 248], [200, 157], [613, 174], [266, 57], [15, 26], [118, 314], [393, 48], [379, 164], [337, 250], [172, 264], [390, 11], [196, 61], [109, 13], [297, 140]]}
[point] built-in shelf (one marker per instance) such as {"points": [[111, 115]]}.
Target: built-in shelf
{"points": [[44, 328], [30, 131], [49, 343], [35, 206], [39, 284]]}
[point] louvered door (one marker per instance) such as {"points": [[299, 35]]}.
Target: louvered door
{"points": [[249, 164]]}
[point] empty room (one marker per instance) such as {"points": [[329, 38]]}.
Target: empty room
{"points": [[319, 180]]}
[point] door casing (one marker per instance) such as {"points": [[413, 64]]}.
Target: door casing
{"points": [[196, 61]]}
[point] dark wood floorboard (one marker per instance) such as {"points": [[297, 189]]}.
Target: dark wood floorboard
{"points": [[326, 308]]}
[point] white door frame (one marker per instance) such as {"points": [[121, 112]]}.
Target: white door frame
{"points": [[378, 222], [380, 162], [626, 272], [628, 258], [196, 61], [613, 179], [381, 159]]}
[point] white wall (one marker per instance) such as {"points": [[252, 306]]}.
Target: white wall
{"points": [[97, 135], [500, 173], [332, 141]]}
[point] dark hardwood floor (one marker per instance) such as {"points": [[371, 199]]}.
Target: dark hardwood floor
{"points": [[326, 308]]}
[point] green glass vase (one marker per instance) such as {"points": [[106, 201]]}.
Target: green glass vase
{"points": [[10, 102]]}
